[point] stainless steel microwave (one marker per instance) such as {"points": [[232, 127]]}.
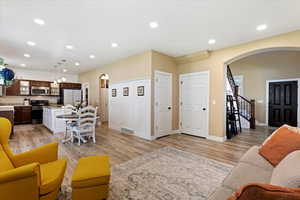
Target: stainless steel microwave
{"points": [[39, 91]]}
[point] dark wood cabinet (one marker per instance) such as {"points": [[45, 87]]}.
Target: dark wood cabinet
{"points": [[22, 115], [40, 83], [70, 85], [14, 89]]}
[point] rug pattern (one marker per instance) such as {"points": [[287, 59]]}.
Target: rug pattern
{"points": [[166, 174]]}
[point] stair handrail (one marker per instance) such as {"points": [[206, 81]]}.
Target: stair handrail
{"points": [[246, 107]]}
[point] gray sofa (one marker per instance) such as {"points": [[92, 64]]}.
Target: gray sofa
{"points": [[252, 168]]}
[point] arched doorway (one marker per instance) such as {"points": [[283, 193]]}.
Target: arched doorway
{"points": [[103, 95], [269, 73]]}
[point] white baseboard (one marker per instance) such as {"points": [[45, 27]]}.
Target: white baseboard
{"points": [[216, 138], [260, 124], [176, 131]]}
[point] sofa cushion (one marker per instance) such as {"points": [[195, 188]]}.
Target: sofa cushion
{"points": [[287, 172], [52, 175], [245, 173], [282, 142], [221, 193], [253, 157]]}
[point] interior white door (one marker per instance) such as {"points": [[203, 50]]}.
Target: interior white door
{"points": [[163, 103], [194, 103]]}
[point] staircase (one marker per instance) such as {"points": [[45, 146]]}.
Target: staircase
{"points": [[237, 107]]}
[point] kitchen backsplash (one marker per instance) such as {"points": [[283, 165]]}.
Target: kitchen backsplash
{"points": [[20, 99]]}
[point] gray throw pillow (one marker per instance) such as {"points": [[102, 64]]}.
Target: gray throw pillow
{"points": [[287, 172]]}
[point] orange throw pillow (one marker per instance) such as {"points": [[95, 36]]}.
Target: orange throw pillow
{"points": [[280, 144], [255, 191]]}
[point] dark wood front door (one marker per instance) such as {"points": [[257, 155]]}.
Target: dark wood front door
{"points": [[283, 103]]}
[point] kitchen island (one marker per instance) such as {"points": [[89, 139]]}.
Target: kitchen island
{"points": [[50, 120]]}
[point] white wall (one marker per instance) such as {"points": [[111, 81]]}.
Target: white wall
{"points": [[131, 112], [42, 75]]}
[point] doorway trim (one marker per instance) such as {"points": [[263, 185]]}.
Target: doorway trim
{"points": [[208, 103], [156, 72], [267, 97]]}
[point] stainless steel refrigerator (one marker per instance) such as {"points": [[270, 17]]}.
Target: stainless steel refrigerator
{"points": [[71, 96]]}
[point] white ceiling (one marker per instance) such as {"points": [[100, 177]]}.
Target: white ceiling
{"points": [[185, 26]]}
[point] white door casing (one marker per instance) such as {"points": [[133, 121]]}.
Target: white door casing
{"points": [[163, 103], [194, 103]]}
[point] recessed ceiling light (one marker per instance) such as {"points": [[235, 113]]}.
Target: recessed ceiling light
{"points": [[69, 47], [39, 21], [212, 41], [30, 43], [261, 27], [23, 65], [65, 70], [27, 55], [77, 63], [92, 56], [114, 45], [153, 25]]}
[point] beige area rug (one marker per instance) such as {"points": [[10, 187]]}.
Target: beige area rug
{"points": [[166, 174]]}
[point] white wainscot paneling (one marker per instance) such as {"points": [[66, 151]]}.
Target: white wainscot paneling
{"points": [[132, 112]]}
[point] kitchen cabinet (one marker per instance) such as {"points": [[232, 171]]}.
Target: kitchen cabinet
{"points": [[70, 85], [14, 89], [40, 83], [22, 87], [51, 121], [22, 115]]}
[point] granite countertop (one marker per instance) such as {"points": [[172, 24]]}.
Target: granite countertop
{"points": [[13, 104], [7, 108]]}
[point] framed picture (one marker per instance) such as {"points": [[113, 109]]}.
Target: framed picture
{"points": [[140, 90], [126, 91], [114, 92]]}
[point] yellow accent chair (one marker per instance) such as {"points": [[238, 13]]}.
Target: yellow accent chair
{"points": [[32, 175]]}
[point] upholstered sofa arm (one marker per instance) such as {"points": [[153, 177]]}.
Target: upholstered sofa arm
{"points": [[43, 154], [20, 183], [20, 173]]}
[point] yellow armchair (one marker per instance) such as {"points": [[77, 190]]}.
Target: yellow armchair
{"points": [[32, 175]]}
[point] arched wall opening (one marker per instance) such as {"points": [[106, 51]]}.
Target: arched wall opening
{"points": [[263, 102]]}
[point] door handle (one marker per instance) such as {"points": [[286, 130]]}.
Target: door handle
{"points": [[204, 109], [169, 108]]}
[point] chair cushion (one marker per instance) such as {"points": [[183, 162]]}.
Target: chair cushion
{"points": [[253, 157], [52, 175], [287, 172], [244, 173], [5, 163], [221, 193], [91, 171]]}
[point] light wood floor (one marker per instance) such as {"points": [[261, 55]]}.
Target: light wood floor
{"points": [[121, 147]]}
